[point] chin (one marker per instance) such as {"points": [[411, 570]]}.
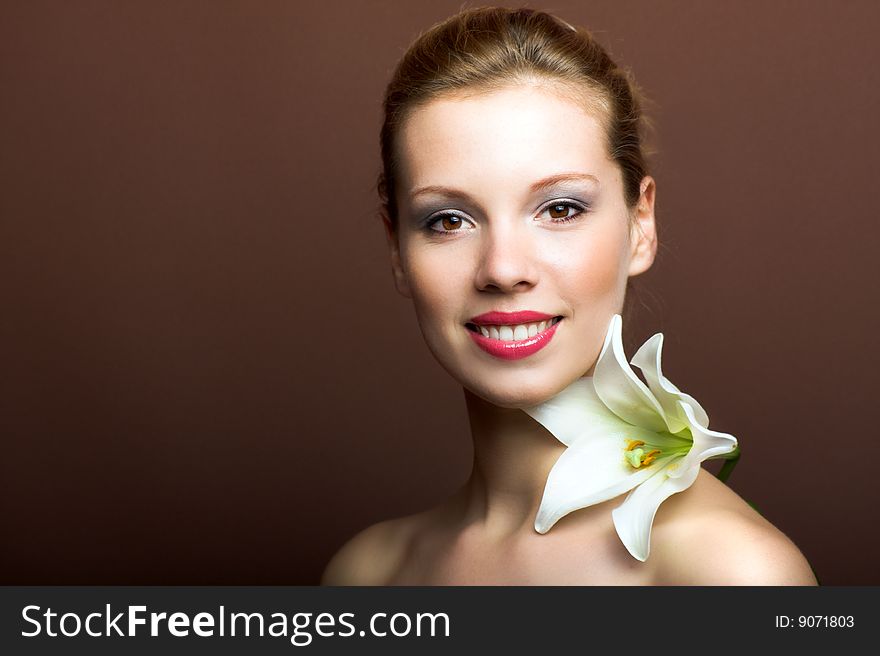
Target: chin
{"points": [[513, 385], [518, 396]]}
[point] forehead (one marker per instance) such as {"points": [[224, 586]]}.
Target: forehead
{"points": [[505, 137]]}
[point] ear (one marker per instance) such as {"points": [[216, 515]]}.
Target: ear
{"points": [[643, 235], [400, 279]]}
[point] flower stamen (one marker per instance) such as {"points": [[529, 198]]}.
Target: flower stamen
{"points": [[638, 457]]}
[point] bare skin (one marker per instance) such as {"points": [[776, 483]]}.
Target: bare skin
{"points": [[706, 535], [509, 201]]}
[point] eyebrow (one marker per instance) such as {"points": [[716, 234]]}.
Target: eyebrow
{"points": [[537, 186]]}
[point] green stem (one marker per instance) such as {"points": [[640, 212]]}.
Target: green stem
{"points": [[731, 459]]}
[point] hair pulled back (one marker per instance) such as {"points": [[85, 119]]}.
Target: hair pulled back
{"points": [[493, 47]]}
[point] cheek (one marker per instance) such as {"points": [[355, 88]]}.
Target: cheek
{"points": [[593, 269], [437, 281]]}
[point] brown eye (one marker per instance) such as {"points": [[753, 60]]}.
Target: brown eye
{"points": [[564, 211], [441, 225], [450, 222], [559, 211]]}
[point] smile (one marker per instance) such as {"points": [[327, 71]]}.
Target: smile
{"points": [[513, 341], [513, 333]]}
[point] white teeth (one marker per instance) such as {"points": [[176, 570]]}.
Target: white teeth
{"points": [[515, 333]]}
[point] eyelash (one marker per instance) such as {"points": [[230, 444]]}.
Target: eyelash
{"points": [[579, 208]]}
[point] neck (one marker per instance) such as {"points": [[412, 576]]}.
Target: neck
{"points": [[513, 455]]}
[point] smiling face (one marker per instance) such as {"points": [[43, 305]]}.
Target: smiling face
{"points": [[508, 203]]}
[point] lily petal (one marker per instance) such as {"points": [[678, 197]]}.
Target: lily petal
{"points": [[619, 387], [647, 358], [707, 444], [590, 471], [574, 413], [634, 518]]}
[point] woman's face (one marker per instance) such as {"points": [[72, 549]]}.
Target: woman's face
{"points": [[508, 203]]}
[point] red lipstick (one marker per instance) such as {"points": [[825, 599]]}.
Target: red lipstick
{"points": [[516, 349], [494, 318]]}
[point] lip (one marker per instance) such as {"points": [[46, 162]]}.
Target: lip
{"points": [[495, 318], [515, 350]]}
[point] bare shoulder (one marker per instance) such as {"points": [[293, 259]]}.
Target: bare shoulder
{"points": [[708, 535], [371, 556]]}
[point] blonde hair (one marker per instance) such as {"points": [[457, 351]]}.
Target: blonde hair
{"points": [[492, 47]]}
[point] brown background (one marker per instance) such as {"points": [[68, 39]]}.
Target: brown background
{"points": [[207, 376]]}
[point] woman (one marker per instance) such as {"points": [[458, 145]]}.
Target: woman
{"points": [[517, 205]]}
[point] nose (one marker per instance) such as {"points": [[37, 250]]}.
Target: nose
{"points": [[507, 259]]}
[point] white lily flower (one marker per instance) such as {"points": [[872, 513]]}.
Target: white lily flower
{"points": [[623, 435]]}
